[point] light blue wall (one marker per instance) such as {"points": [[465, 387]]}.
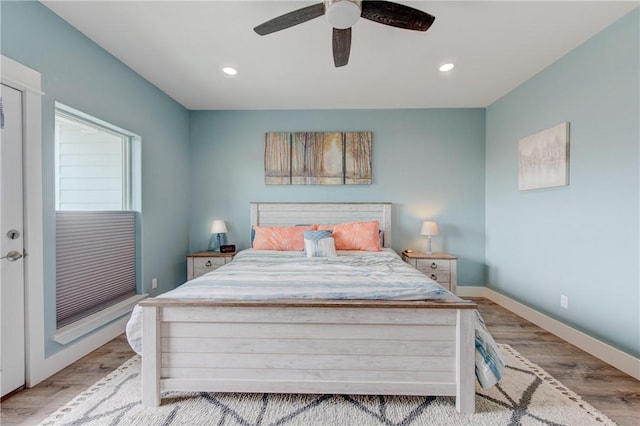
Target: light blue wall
{"points": [[78, 73], [580, 240], [429, 163]]}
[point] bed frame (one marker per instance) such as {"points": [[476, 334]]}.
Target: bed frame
{"points": [[335, 347]]}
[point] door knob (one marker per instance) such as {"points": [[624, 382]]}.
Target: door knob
{"points": [[12, 256]]}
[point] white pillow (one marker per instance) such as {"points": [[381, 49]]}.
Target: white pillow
{"points": [[319, 244]]}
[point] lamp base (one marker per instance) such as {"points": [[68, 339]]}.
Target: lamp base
{"points": [[428, 250], [213, 245], [215, 241]]}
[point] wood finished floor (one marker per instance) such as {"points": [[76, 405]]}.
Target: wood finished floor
{"points": [[606, 388]]}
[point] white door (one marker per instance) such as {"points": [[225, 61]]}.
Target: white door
{"points": [[12, 347]]}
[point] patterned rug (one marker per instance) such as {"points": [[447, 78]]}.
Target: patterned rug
{"points": [[527, 395]]}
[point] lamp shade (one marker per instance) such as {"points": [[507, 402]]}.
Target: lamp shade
{"points": [[429, 228], [218, 227]]}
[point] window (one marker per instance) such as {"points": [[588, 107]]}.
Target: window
{"points": [[93, 165], [97, 191]]}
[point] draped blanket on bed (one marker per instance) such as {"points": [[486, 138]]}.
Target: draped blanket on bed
{"points": [[278, 275]]}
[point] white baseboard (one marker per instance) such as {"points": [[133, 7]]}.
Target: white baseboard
{"points": [[607, 353]]}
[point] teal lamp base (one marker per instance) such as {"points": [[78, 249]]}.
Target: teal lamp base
{"points": [[215, 241]]}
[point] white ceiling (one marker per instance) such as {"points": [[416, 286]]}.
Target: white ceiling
{"points": [[181, 46]]}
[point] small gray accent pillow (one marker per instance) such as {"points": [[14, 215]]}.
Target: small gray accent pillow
{"points": [[319, 244]]}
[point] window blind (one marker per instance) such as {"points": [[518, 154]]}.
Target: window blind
{"points": [[95, 262]]}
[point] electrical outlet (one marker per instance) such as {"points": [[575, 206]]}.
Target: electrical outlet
{"points": [[564, 301], [154, 283]]}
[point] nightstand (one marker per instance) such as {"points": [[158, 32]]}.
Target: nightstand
{"points": [[440, 267], [205, 261]]}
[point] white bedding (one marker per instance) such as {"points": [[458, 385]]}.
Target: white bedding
{"points": [[269, 275], [277, 275]]}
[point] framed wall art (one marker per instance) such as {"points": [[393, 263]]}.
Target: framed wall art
{"points": [[544, 159], [277, 158], [317, 158]]}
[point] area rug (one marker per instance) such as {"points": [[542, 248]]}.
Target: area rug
{"points": [[527, 395]]}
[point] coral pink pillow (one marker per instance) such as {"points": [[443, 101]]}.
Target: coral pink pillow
{"points": [[283, 238], [355, 235]]}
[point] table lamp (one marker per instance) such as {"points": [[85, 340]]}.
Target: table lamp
{"points": [[429, 229], [218, 228]]}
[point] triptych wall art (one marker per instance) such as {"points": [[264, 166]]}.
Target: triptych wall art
{"points": [[317, 158], [544, 158]]}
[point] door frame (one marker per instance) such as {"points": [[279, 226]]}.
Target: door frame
{"points": [[28, 82]]}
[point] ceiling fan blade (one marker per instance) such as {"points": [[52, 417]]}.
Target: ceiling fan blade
{"points": [[290, 19], [341, 46], [396, 15]]}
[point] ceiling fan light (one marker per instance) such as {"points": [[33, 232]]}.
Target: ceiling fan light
{"points": [[342, 14]]}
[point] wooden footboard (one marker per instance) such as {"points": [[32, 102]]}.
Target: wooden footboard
{"points": [[335, 347]]}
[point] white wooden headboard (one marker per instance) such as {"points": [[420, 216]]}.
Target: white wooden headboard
{"points": [[286, 214]]}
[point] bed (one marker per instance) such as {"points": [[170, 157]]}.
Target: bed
{"points": [[318, 343]]}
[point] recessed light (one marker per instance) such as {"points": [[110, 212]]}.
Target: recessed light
{"points": [[229, 71], [446, 67]]}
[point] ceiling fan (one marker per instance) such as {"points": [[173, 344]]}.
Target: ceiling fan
{"points": [[343, 14]]}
